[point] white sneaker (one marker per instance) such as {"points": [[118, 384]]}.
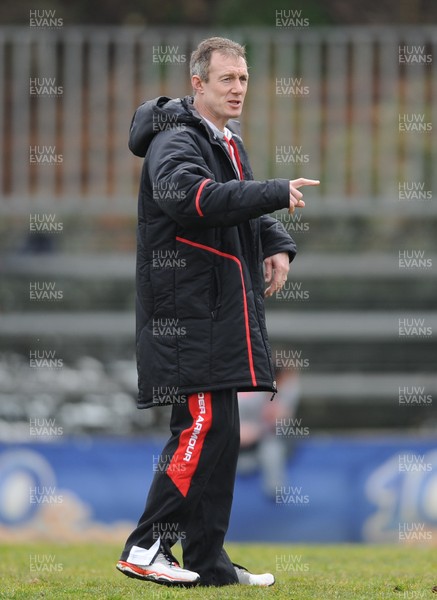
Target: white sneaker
{"points": [[246, 578], [164, 570]]}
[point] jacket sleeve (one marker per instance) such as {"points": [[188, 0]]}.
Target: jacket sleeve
{"points": [[185, 188], [275, 238]]}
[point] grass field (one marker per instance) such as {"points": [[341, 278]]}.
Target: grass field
{"points": [[348, 572]]}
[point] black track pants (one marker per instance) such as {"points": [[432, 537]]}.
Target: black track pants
{"points": [[191, 494]]}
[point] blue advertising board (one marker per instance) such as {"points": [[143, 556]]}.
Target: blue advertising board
{"points": [[356, 489]]}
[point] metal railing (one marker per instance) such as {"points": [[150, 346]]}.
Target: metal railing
{"points": [[356, 107]]}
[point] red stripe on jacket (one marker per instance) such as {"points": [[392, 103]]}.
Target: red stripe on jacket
{"points": [[245, 309], [199, 192]]}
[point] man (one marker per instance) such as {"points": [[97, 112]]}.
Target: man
{"points": [[203, 236], [260, 446]]}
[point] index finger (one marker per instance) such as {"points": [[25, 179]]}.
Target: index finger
{"points": [[302, 181], [267, 270]]}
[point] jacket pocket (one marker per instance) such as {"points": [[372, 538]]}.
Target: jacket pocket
{"points": [[145, 298], [215, 295]]}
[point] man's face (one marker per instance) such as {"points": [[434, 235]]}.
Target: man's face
{"points": [[222, 97]]}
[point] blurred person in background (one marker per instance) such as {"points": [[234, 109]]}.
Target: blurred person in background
{"points": [[201, 333], [264, 425]]}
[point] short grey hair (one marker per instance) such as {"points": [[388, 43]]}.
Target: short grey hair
{"points": [[201, 56]]}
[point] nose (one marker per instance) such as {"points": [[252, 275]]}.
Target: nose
{"points": [[238, 87]]}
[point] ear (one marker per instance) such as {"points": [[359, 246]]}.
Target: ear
{"points": [[197, 84]]}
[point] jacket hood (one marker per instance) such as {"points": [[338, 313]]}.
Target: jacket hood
{"points": [[164, 113]]}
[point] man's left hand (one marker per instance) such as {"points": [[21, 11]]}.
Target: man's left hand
{"points": [[276, 269]]}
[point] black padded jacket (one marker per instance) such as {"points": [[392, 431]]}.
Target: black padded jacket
{"points": [[202, 236]]}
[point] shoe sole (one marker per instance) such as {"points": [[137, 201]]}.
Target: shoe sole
{"points": [[154, 577]]}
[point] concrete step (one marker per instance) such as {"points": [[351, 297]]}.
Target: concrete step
{"points": [[122, 266], [282, 325], [397, 387]]}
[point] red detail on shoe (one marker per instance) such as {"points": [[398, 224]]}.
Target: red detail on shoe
{"points": [[199, 192], [245, 309], [146, 572], [191, 442]]}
